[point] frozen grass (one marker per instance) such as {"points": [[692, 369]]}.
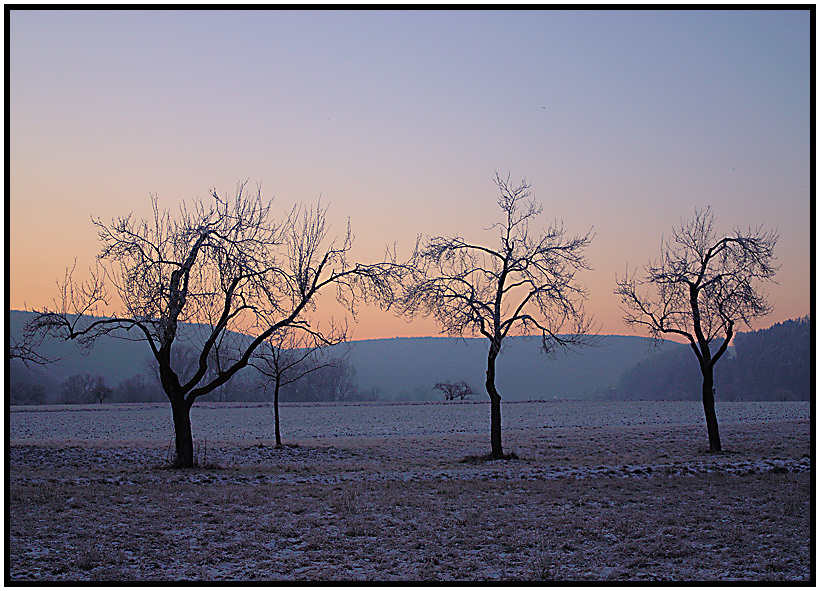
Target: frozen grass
{"points": [[620, 503], [151, 423]]}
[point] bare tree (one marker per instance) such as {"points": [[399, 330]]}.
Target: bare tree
{"points": [[184, 361], [289, 355], [524, 285], [136, 389], [455, 390], [219, 261], [85, 389], [339, 381], [702, 286]]}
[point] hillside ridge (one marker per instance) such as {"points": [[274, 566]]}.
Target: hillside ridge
{"points": [[399, 368]]}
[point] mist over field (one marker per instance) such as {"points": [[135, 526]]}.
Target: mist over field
{"points": [[773, 364]]}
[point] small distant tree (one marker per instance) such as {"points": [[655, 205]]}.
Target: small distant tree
{"points": [[102, 394], [340, 380], [699, 289], [333, 381], [525, 284], [455, 390]]}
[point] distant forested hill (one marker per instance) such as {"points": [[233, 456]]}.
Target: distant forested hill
{"points": [[392, 369], [114, 359], [767, 364], [775, 363], [770, 364]]}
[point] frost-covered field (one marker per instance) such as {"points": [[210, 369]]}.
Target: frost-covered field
{"points": [[601, 491], [234, 421]]}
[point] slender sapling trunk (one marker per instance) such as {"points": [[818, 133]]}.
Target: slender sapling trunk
{"points": [[276, 413]]}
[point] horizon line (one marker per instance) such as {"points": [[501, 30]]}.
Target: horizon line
{"points": [[479, 337]]}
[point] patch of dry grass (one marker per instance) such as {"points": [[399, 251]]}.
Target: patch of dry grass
{"points": [[89, 517], [704, 527]]}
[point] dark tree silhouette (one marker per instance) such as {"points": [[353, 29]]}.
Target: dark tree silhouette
{"points": [[219, 262], [701, 287], [185, 363], [455, 390], [85, 389], [524, 285]]}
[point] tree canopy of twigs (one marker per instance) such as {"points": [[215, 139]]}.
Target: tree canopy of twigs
{"points": [[223, 263], [523, 285], [700, 288]]}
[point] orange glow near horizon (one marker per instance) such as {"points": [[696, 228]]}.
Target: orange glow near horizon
{"points": [[400, 119]]}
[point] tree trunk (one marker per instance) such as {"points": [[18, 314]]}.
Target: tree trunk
{"points": [[495, 409], [276, 414], [709, 409], [182, 429]]}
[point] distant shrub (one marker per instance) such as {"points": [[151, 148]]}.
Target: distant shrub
{"points": [[455, 390]]}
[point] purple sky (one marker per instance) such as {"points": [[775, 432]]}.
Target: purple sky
{"points": [[622, 121]]}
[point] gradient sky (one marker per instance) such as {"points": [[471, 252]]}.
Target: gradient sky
{"points": [[622, 121]]}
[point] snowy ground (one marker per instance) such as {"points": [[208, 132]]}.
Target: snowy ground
{"points": [[601, 491], [234, 421]]}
